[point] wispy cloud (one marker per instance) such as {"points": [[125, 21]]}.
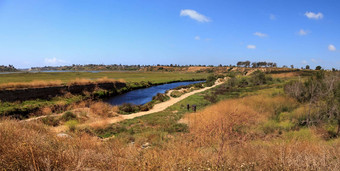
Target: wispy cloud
{"points": [[303, 32], [197, 38], [260, 34], [315, 16], [251, 47], [194, 15], [272, 17], [304, 62], [54, 61], [331, 47], [313, 60]]}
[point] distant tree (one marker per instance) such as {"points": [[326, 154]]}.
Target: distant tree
{"points": [[284, 66], [307, 67], [318, 67], [239, 63], [274, 65], [292, 66], [247, 64], [254, 65]]}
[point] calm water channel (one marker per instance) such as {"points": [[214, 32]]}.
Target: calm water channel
{"points": [[142, 96]]}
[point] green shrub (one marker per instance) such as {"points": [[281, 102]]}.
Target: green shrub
{"points": [[302, 134], [51, 121], [146, 106], [176, 93], [178, 127], [68, 116], [273, 126], [128, 108], [71, 124], [160, 97], [258, 78]]}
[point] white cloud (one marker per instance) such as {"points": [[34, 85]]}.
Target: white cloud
{"points": [[251, 47], [313, 60], [54, 61], [331, 47], [272, 17], [303, 32], [194, 15], [304, 62], [312, 15], [260, 34], [197, 38]]}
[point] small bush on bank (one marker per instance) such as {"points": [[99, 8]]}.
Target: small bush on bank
{"points": [[147, 106], [68, 116], [51, 121], [160, 97], [128, 108], [176, 94]]}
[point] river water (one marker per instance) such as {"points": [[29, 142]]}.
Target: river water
{"points": [[142, 96]]}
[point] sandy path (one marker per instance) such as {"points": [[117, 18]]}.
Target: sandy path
{"points": [[156, 108]]}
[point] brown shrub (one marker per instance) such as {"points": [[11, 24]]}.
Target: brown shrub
{"points": [[103, 109]]}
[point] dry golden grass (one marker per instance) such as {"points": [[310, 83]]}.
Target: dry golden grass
{"points": [[221, 137], [285, 75], [41, 83], [79, 81], [103, 109], [31, 146], [109, 80], [33, 84]]}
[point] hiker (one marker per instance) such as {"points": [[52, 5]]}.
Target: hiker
{"points": [[188, 107], [194, 108]]}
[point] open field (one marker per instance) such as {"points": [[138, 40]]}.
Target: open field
{"points": [[64, 77]]}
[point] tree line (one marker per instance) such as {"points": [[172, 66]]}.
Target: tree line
{"points": [[256, 64], [9, 68]]}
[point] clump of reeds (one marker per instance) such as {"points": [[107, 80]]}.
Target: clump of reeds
{"points": [[32, 84]]}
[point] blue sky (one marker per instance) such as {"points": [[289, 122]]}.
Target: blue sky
{"points": [[63, 32]]}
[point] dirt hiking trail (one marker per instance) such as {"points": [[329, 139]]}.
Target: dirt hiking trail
{"points": [[156, 108]]}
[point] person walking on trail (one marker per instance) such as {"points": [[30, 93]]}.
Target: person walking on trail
{"points": [[188, 107], [194, 108]]}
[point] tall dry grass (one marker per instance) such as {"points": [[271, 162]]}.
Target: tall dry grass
{"points": [[31, 146], [221, 137], [285, 75], [32, 84], [103, 109]]}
